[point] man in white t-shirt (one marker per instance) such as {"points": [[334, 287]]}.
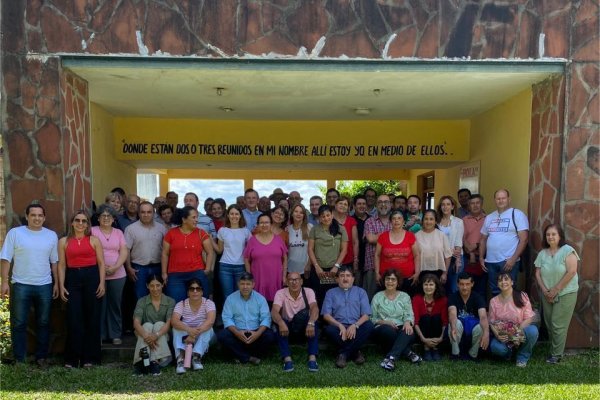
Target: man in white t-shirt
{"points": [[33, 249], [504, 237]]}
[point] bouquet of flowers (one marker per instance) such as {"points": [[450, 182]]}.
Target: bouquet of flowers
{"points": [[513, 331]]}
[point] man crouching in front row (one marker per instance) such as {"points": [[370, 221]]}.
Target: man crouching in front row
{"points": [[346, 309], [247, 323]]}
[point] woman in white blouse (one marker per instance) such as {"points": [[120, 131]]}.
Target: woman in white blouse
{"points": [[454, 229]]}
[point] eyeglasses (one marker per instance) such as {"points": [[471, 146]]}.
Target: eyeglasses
{"points": [[106, 216], [80, 221], [194, 289], [391, 278]]}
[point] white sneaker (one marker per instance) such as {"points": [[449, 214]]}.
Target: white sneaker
{"points": [[180, 368], [196, 364]]}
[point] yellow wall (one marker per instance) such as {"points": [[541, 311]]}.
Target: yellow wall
{"points": [[107, 172], [500, 140]]}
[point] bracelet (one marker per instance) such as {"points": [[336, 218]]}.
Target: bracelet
{"points": [[356, 325], [310, 323]]}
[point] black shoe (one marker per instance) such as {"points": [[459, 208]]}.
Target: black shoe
{"points": [[154, 368]]}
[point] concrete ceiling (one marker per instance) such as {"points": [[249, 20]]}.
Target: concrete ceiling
{"points": [[304, 91]]}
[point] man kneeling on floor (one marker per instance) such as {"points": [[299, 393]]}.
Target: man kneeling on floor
{"points": [[247, 323], [295, 313], [346, 309]]}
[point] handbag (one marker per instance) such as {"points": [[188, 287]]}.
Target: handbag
{"points": [[298, 324]]}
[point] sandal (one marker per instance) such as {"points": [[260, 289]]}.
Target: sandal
{"points": [[88, 365], [68, 366]]}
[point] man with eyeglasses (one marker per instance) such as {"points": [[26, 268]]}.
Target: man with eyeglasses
{"points": [[347, 312], [374, 227], [144, 240], [295, 313], [33, 249], [130, 215]]}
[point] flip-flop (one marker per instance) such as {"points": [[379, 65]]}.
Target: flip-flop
{"points": [[88, 365], [68, 366]]}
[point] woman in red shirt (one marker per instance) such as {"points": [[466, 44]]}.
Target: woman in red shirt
{"points": [[182, 255], [81, 282], [398, 249], [431, 316]]}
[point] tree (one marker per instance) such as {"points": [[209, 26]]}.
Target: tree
{"points": [[352, 188]]}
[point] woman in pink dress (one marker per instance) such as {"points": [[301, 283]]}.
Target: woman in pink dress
{"points": [[265, 256]]}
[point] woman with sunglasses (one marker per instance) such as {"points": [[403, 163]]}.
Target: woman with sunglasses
{"points": [[81, 274], [115, 253], [193, 320]]}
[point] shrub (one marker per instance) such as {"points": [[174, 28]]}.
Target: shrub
{"points": [[5, 339]]}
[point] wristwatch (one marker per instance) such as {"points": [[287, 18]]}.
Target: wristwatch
{"points": [[357, 326], [310, 323], [336, 265]]}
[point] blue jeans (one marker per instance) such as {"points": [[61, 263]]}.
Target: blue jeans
{"points": [[143, 272], [451, 279], [22, 297], [177, 281], [229, 275], [495, 269], [284, 341], [523, 352]]}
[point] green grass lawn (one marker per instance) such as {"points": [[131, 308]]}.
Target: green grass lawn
{"points": [[577, 377]]}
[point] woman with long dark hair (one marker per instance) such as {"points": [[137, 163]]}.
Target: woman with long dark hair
{"points": [[327, 247], [510, 319], [81, 274]]}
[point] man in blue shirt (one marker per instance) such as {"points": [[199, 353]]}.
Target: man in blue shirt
{"points": [[346, 309], [251, 211], [247, 323]]}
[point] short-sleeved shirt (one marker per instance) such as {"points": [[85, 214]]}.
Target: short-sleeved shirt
{"points": [[434, 248], [191, 318], [473, 227], [349, 223], [346, 306], [398, 256], [111, 246], [145, 242], [234, 242], [373, 226], [327, 247], [503, 238], [298, 249], [471, 307], [33, 252], [508, 311], [289, 305], [399, 310], [145, 311], [185, 252], [553, 268]]}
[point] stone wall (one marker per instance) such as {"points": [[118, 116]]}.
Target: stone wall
{"points": [[45, 119]]}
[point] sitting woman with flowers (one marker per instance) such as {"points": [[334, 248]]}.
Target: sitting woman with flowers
{"points": [[510, 319]]}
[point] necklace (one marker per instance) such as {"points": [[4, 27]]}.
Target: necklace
{"points": [[79, 240], [106, 237], [297, 231], [185, 236]]}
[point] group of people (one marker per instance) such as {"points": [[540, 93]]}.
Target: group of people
{"points": [[371, 266]]}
